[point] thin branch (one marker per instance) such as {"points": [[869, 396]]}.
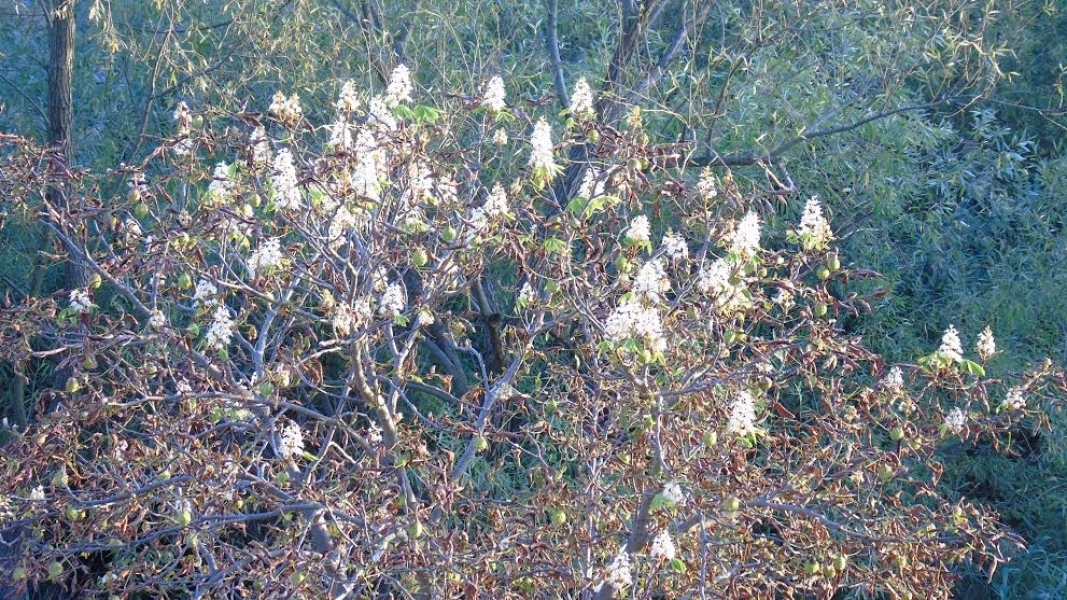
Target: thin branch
{"points": [[552, 41]]}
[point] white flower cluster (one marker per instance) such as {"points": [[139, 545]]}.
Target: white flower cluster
{"points": [[346, 318], [1015, 400], [400, 87], [593, 183], [286, 193], [287, 110], [157, 319], [527, 295], [619, 573], [951, 347], [37, 494], [631, 319], [221, 330], [392, 302], [639, 230], [258, 146], [500, 137], [706, 186], [184, 120], [672, 491], [80, 302], [290, 441], [663, 546], [986, 345], [955, 420], [582, 99], [541, 154], [784, 298], [674, 246], [494, 97], [340, 135], [221, 187], [651, 281], [347, 100], [206, 294], [742, 420], [267, 256], [893, 381], [745, 239], [380, 116], [814, 225], [716, 281], [496, 205], [369, 171]]}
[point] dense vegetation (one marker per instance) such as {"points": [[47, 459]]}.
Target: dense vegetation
{"points": [[374, 335]]}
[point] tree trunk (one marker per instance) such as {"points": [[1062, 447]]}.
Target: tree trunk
{"points": [[60, 120]]}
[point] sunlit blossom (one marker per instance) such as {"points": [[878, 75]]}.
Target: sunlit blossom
{"points": [[286, 109], [663, 546], [541, 153], [632, 319], [893, 381], [951, 347], [639, 230], [347, 100], [221, 329], [672, 491], [986, 346], [392, 302], [400, 87], [1015, 400], [619, 573], [287, 195], [742, 420], [707, 186], [494, 96], [221, 187], [955, 421], [651, 281], [80, 302], [290, 441], [267, 256], [813, 225], [674, 246], [582, 99], [745, 239]]}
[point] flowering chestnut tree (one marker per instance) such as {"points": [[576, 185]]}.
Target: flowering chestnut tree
{"points": [[386, 354]]}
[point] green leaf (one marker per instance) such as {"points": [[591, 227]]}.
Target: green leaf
{"points": [[678, 565], [555, 246], [973, 368], [660, 501]]}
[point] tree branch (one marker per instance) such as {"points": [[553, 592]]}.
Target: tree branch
{"points": [[552, 41]]}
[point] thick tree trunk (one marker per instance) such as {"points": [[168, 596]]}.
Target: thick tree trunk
{"points": [[61, 118]]}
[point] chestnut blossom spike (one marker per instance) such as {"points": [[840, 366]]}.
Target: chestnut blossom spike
{"points": [[986, 346], [494, 96], [951, 347], [541, 153], [582, 99]]}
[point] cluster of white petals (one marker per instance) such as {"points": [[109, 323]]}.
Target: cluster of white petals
{"points": [[392, 302], [221, 187], [582, 99], [951, 347], [745, 239], [639, 230], [1015, 400], [813, 224], [346, 318], [674, 246], [286, 193], [267, 256], [157, 319], [221, 329], [286, 109], [986, 346], [380, 116], [500, 137], [400, 87], [663, 546], [184, 120], [205, 294], [742, 419], [784, 298], [594, 183], [527, 295], [651, 281], [672, 491], [80, 302], [716, 281], [893, 381], [706, 186], [258, 146], [340, 135], [632, 319], [494, 97], [347, 100], [369, 171], [619, 573], [37, 494], [496, 205], [955, 420], [290, 441], [541, 153]]}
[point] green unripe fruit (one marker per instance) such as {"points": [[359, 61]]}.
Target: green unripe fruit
{"points": [[820, 309], [74, 514], [623, 265], [551, 286], [185, 281], [557, 516], [60, 479], [480, 443], [73, 385], [194, 330], [833, 261], [732, 504], [711, 438], [140, 210], [896, 434], [448, 234], [184, 518], [298, 577], [55, 570], [823, 272], [812, 568], [416, 530], [593, 136], [95, 281], [19, 574], [419, 258], [840, 563]]}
